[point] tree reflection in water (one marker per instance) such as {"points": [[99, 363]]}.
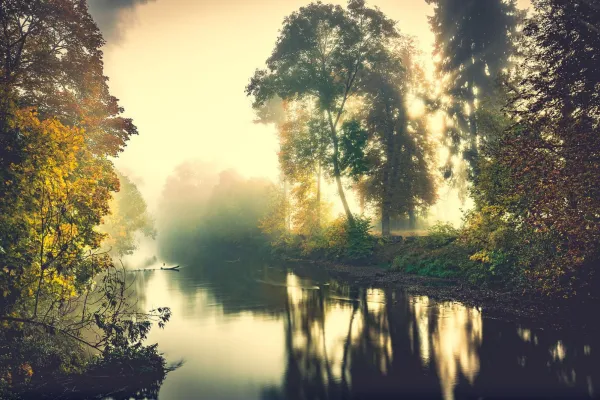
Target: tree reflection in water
{"points": [[323, 339], [363, 342], [344, 342]]}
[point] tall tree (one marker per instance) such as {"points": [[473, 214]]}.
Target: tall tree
{"points": [[474, 41], [50, 205], [552, 155], [51, 58], [305, 145], [324, 52], [398, 179]]}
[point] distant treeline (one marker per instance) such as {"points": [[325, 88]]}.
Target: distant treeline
{"points": [[204, 212]]}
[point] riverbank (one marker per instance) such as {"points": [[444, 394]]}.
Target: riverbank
{"points": [[514, 306]]}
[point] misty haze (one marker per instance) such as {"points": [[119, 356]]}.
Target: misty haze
{"points": [[296, 200]]}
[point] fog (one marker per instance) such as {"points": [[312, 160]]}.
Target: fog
{"points": [[180, 67]]}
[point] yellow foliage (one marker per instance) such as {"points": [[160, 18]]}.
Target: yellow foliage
{"points": [[482, 256], [58, 192], [26, 369]]}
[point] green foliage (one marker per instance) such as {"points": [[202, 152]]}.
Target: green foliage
{"points": [[492, 239], [353, 141], [130, 361], [339, 240], [340, 39], [50, 204], [35, 352], [323, 55], [475, 41], [436, 254], [477, 253], [439, 235], [30, 353], [57, 67], [59, 126], [438, 263], [342, 240], [398, 178]]}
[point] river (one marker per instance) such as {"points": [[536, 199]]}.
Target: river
{"points": [[257, 330]]}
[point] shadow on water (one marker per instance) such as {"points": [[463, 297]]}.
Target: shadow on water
{"points": [[256, 330]]}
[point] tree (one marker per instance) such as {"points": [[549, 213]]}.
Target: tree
{"points": [[129, 215], [323, 53], [304, 149], [398, 178], [50, 58], [474, 42], [58, 127], [234, 209], [50, 205], [553, 151]]}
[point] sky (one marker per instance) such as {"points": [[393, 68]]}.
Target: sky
{"points": [[179, 68]]}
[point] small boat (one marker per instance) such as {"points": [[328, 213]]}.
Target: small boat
{"points": [[175, 268]]}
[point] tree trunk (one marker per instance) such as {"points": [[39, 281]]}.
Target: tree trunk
{"points": [[338, 180], [286, 211], [340, 189], [336, 169], [389, 183], [385, 203], [412, 219], [319, 196], [385, 220], [472, 131]]}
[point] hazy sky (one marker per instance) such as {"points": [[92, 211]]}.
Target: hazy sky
{"points": [[180, 67]]}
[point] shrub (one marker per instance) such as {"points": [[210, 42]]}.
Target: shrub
{"points": [[440, 235], [349, 241], [492, 241], [437, 255], [418, 257]]}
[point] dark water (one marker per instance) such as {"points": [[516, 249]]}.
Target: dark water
{"points": [[259, 331]]}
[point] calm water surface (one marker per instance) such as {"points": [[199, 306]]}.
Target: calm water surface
{"points": [[263, 331]]}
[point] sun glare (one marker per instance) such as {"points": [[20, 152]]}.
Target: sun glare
{"points": [[416, 107]]}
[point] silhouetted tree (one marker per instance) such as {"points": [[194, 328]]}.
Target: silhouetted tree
{"points": [[474, 41], [324, 52], [398, 178], [553, 152]]}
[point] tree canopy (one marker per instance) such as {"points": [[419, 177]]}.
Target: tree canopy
{"points": [[475, 41], [323, 53]]}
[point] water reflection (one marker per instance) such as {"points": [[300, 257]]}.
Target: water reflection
{"points": [[256, 331]]}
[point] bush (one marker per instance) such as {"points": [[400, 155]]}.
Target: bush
{"points": [[440, 235], [421, 257], [340, 241], [134, 362], [492, 242], [349, 241], [436, 254], [124, 372]]}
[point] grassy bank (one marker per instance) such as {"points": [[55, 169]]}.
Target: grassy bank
{"points": [[440, 252]]}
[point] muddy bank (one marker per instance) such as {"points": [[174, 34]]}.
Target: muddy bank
{"points": [[506, 305]]}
